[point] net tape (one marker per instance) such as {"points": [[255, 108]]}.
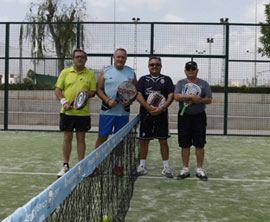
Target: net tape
{"points": [[78, 197]]}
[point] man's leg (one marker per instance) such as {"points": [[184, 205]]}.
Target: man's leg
{"points": [[184, 173], [66, 149], [101, 140], [200, 173], [67, 145], [185, 156], [164, 150], [200, 156], [80, 136], [141, 169], [144, 149]]}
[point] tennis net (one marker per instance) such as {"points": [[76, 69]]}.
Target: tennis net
{"points": [[78, 196]]}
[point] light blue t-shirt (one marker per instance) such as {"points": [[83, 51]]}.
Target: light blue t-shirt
{"points": [[112, 79]]}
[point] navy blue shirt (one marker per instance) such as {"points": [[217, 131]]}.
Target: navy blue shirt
{"points": [[148, 84]]}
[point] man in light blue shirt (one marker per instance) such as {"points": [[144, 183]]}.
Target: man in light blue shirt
{"points": [[114, 113]]}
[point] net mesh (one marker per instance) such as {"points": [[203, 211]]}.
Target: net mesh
{"points": [[105, 194], [80, 196]]}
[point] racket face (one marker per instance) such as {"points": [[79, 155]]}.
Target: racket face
{"points": [[156, 99], [191, 88], [126, 91], [80, 100]]}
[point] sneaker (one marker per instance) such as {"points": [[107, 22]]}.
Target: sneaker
{"points": [[95, 172], [167, 172], [63, 171], [201, 174], [117, 171], [141, 170], [184, 173]]}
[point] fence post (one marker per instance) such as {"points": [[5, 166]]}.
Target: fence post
{"points": [[152, 40], [78, 35], [6, 77], [226, 80]]}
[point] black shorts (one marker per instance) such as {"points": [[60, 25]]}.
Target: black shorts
{"points": [[192, 130], [154, 127], [79, 123]]}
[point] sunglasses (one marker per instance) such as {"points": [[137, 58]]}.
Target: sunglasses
{"points": [[191, 68], [79, 57], [155, 64]]}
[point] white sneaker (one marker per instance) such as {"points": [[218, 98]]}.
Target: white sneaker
{"points": [[201, 174], [167, 172], [63, 171], [141, 170], [184, 173]]}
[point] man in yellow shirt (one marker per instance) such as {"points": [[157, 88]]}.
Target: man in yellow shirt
{"points": [[71, 81]]}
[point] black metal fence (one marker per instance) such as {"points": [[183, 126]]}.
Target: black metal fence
{"points": [[226, 53]]}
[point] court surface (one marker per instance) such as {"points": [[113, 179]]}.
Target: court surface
{"points": [[237, 167]]}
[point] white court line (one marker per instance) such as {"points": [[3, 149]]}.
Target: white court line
{"points": [[150, 177], [209, 179], [29, 173]]}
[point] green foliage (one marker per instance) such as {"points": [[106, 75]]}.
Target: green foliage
{"points": [[23, 86], [31, 74], [242, 89], [29, 83], [60, 33], [265, 30]]}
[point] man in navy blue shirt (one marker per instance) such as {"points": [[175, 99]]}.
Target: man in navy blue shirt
{"points": [[154, 120]]}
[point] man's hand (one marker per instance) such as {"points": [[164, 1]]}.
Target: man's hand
{"points": [[67, 106], [112, 103], [125, 103], [156, 111], [196, 99]]}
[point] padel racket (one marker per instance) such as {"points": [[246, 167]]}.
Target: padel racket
{"points": [[154, 99], [80, 100], [126, 91], [190, 89]]}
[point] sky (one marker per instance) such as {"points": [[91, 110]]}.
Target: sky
{"points": [[238, 11]]}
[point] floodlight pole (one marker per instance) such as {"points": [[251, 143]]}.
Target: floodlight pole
{"points": [[255, 48], [135, 20], [114, 20], [224, 21], [210, 41]]}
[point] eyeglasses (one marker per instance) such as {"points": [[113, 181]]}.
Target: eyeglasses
{"points": [[189, 69], [80, 57], [155, 64]]}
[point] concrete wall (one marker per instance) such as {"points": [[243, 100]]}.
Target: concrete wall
{"points": [[245, 111]]}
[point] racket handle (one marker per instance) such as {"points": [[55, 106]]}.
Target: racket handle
{"points": [[183, 110], [145, 117]]}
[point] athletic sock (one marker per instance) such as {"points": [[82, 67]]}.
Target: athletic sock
{"points": [[142, 163], [166, 163]]}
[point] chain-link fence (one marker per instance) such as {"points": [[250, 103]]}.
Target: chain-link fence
{"points": [[226, 53]]}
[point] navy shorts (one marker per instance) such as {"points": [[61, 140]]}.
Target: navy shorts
{"points": [[154, 127], [79, 123], [192, 130]]}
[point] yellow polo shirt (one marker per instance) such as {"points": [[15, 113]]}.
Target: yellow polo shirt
{"points": [[72, 82]]}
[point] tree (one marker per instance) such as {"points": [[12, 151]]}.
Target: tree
{"points": [[60, 32], [265, 30]]}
